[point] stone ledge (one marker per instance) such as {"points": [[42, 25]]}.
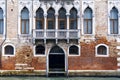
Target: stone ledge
{"points": [[118, 64], [93, 73], [118, 47], [22, 73], [118, 59]]}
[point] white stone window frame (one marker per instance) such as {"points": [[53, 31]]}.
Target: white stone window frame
{"points": [[90, 4], [28, 5], [79, 50], [3, 7], [3, 49], [40, 55], [96, 50], [56, 7], [111, 4]]}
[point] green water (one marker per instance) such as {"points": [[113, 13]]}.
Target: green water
{"points": [[59, 78]]}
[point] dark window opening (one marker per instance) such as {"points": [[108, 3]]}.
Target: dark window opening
{"points": [[9, 50], [62, 19], [25, 21], [39, 19], [73, 50], [102, 50], [51, 18], [1, 21], [73, 18], [56, 49], [88, 21], [40, 50], [114, 21]]}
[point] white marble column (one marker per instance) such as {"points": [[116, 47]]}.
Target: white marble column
{"points": [[68, 27], [45, 26], [56, 25]]}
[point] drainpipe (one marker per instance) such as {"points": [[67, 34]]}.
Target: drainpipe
{"points": [[5, 36]]}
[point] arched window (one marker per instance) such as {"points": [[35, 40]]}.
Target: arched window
{"points": [[9, 50], [39, 19], [51, 18], [40, 50], [73, 50], [101, 50], [25, 21], [73, 18], [88, 21], [62, 19], [1, 21], [114, 21], [56, 49]]}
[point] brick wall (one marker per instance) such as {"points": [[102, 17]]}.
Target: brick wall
{"points": [[88, 61]]}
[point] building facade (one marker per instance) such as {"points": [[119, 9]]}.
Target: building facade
{"points": [[67, 36]]}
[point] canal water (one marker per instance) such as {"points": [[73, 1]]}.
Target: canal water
{"points": [[59, 78]]}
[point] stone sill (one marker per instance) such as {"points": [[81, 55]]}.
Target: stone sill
{"points": [[73, 73], [99, 73]]}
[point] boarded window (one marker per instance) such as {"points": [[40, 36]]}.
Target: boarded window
{"points": [[51, 18], [62, 19], [40, 50], [114, 21], [88, 21], [73, 18], [39, 19], [1, 21], [102, 50], [25, 21], [9, 50], [73, 50]]}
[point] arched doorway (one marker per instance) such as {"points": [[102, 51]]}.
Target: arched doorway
{"points": [[56, 59]]}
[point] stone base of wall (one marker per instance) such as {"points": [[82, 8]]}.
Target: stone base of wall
{"points": [[71, 73], [22, 73], [96, 73]]}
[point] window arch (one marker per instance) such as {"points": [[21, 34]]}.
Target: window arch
{"points": [[101, 50], [73, 50], [25, 21], [56, 49], [88, 21], [62, 18], [8, 50], [73, 18], [40, 19], [114, 21], [40, 50], [51, 18], [1, 21]]}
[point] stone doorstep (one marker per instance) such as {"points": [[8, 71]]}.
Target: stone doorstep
{"points": [[118, 64], [118, 59], [18, 68], [118, 53], [20, 64], [29, 68]]}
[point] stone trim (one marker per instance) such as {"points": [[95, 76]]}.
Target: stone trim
{"points": [[78, 51], [96, 48], [3, 7], [34, 52], [3, 51], [111, 4], [85, 4]]}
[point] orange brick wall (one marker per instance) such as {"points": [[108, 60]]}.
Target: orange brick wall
{"points": [[88, 61]]}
